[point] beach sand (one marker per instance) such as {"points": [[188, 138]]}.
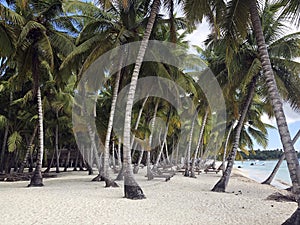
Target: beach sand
{"points": [[72, 198]]}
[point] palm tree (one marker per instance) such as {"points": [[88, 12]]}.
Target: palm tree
{"points": [[131, 188], [290, 153], [38, 47]]}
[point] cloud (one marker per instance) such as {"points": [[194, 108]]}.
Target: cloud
{"points": [[198, 36], [290, 114]]}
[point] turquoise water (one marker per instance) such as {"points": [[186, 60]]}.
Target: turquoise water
{"points": [[262, 169]]}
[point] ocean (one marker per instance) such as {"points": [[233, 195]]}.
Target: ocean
{"points": [[260, 171]]}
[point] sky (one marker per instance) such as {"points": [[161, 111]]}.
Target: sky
{"points": [[293, 118]]}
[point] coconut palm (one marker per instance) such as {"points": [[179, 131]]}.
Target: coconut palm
{"points": [[38, 45], [235, 27], [131, 188]]}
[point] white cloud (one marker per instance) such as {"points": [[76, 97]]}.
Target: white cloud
{"points": [[290, 114], [198, 36]]}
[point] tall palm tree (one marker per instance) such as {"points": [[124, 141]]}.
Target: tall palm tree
{"points": [[235, 27], [38, 48], [291, 156], [131, 188]]}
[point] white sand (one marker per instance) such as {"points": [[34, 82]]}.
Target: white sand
{"points": [[73, 199]]}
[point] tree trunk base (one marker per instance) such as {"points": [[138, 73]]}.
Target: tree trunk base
{"points": [[110, 183], [98, 178], [121, 174], [219, 187], [186, 172], [136, 169], [266, 182], [133, 192], [294, 219], [192, 174], [36, 180]]}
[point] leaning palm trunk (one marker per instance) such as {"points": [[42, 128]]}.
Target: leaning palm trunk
{"points": [[37, 179], [137, 166], [108, 180], [29, 146], [278, 164], [155, 166], [149, 172], [289, 150], [188, 155], [135, 170], [222, 183], [225, 147], [131, 188], [199, 142]]}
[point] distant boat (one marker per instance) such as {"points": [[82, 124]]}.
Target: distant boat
{"points": [[256, 163]]}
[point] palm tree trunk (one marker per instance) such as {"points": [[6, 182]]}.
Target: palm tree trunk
{"points": [[139, 118], [225, 146], [188, 155], [56, 147], [131, 188], [108, 181], [199, 142], [21, 169], [4, 143], [289, 150], [149, 172], [155, 166], [222, 183], [119, 153], [67, 160], [37, 179], [278, 164]]}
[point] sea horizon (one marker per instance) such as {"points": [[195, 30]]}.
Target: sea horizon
{"points": [[259, 170]]}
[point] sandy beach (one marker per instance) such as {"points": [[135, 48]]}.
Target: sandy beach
{"points": [[72, 199]]}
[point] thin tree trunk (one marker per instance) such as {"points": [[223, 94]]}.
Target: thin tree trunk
{"points": [[113, 156], [21, 169], [289, 150], [136, 167], [177, 153], [149, 172], [50, 164], [225, 147], [139, 118], [56, 144], [37, 179], [278, 164], [67, 161], [108, 181], [76, 160], [188, 155], [119, 153], [161, 149], [222, 183], [131, 188], [199, 142], [4, 143]]}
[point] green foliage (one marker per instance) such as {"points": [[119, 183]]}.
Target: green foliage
{"points": [[262, 154], [14, 141]]}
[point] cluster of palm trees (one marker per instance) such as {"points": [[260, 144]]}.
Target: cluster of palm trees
{"points": [[46, 47]]}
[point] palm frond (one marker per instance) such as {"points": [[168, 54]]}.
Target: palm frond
{"points": [[14, 141]]}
